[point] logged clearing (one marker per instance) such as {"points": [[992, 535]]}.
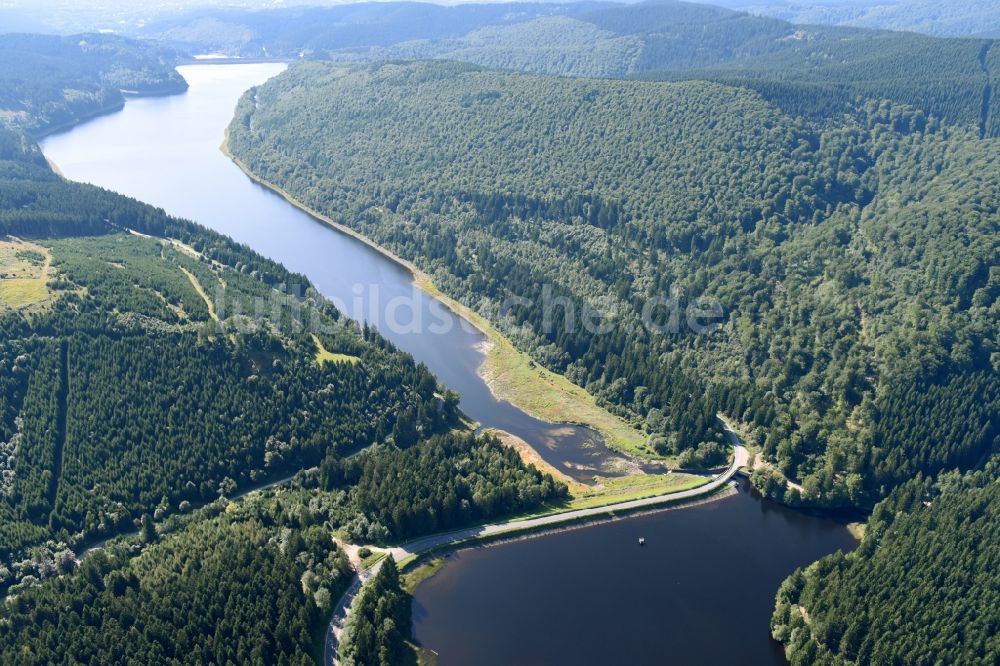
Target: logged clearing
{"points": [[24, 273], [324, 356]]}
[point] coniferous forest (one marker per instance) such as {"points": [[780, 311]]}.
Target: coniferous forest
{"points": [[48, 82], [380, 623], [256, 595], [837, 200], [850, 262], [796, 227], [139, 395], [920, 589]]}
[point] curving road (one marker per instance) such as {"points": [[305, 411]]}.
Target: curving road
{"points": [[741, 457]]}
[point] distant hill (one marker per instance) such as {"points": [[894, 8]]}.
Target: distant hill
{"points": [[319, 31], [808, 70], [942, 18], [48, 81], [819, 69]]}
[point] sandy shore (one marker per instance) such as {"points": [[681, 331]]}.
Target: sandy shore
{"points": [[500, 355]]}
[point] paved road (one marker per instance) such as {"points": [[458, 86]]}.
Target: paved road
{"points": [[741, 457], [339, 620]]}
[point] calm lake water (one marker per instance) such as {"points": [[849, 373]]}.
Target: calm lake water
{"points": [[165, 151], [700, 592]]}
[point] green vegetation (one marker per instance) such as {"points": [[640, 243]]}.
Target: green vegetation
{"points": [[317, 32], [825, 70], [921, 589], [512, 375], [633, 487], [446, 482], [991, 95], [379, 624], [372, 558], [175, 414], [833, 190], [815, 70], [614, 491], [546, 45], [252, 581], [422, 572], [509, 373], [172, 412], [145, 389], [943, 19], [238, 588], [19, 293], [48, 82], [324, 356], [23, 274], [851, 261]]}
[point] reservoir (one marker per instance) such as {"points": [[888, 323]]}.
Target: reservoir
{"points": [[165, 151], [699, 592]]}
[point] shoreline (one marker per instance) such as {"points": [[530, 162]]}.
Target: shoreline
{"points": [[415, 559], [40, 133], [422, 546], [514, 535], [500, 357], [531, 457]]}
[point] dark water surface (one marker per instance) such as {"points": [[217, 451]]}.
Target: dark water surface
{"points": [[165, 151], [700, 591]]}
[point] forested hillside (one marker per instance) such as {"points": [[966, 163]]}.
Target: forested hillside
{"points": [[448, 481], [135, 379], [380, 623], [291, 32], [942, 18], [815, 70], [820, 72], [138, 381], [921, 589], [252, 581], [991, 95], [805, 69], [48, 81], [236, 588], [149, 371], [854, 264]]}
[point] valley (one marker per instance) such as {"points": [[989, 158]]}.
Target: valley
{"points": [[573, 332]]}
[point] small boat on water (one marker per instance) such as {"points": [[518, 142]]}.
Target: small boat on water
{"points": [[642, 541]]}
